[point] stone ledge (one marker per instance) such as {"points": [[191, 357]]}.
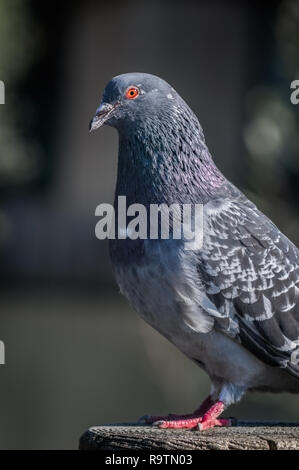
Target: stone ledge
{"points": [[245, 436]]}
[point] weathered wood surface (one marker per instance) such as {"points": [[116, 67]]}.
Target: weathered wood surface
{"points": [[245, 436]]}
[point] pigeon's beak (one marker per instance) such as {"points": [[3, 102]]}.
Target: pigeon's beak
{"points": [[102, 113]]}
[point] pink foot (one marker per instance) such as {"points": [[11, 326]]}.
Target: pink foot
{"points": [[204, 407], [206, 421]]}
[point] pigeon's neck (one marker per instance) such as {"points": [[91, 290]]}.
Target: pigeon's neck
{"points": [[167, 164]]}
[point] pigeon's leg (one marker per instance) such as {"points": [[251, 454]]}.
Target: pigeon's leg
{"points": [[208, 420], [199, 412], [211, 418]]}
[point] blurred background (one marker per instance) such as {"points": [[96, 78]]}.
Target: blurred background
{"points": [[76, 354]]}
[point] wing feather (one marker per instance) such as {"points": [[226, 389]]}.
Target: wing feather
{"points": [[251, 275]]}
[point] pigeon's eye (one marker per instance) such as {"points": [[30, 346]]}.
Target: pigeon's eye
{"points": [[132, 92]]}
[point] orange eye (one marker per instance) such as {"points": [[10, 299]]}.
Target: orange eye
{"points": [[132, 93]]}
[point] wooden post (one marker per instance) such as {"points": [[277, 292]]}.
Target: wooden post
{"points": [[245, 436]]}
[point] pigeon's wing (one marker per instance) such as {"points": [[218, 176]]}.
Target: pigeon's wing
{"points": [[251, 275]]}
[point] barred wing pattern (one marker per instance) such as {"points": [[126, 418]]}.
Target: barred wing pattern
{"points": [[251, 274]]}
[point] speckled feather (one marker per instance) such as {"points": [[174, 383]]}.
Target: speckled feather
{"points": [[250, 270]]}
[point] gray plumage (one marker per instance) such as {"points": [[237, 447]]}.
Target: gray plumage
{"points": [[232, 306]]}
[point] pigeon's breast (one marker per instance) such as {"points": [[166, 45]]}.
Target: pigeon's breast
{"points": [[163, 286]]}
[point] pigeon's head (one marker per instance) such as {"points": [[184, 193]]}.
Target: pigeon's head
{"points": [[133, 98]]}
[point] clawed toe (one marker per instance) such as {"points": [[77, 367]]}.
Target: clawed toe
{"points": [[220, 422], [159, 424], [151, 419], [188, 423]]}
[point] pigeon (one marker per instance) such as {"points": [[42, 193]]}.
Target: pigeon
{"points": [[231, 305]]}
